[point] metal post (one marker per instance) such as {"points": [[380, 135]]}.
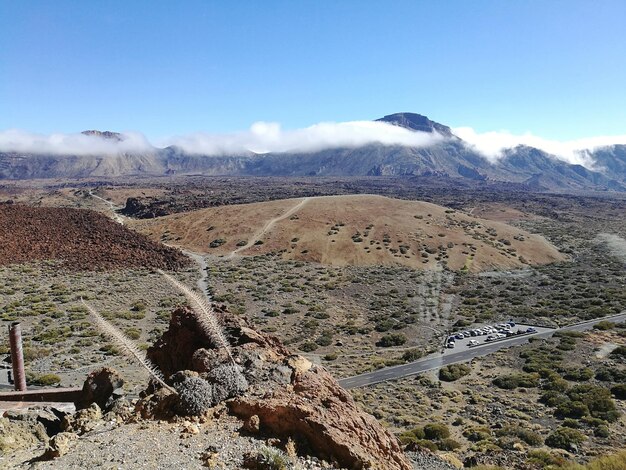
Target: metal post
{"points": [[17, 356]]}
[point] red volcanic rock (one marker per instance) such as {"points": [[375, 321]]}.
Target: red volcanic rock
{"points": [[80, 239], [288, 396]]}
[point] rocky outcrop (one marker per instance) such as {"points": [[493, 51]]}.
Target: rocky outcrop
{"points": [[315, 409], [288, 396]]}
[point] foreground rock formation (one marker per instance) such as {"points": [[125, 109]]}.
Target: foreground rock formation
{"points": [[288, 396]]}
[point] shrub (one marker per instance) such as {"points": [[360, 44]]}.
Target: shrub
{"points": [[477, 434], [553, 398], [611, 374], [529, 437], [132, 333], [544, 459], [608, 462], [578, 375], [619, 351], [430, 445], [412, 355], [619, 391], [270, 458], [598, 400], [571, 409], [601, 431], [435, 431], [448, 444], [454, 372], [44, 379], [392, 339], [308, 346], [407, 437], [604, 325], [512, 381], [565, 438], [556, 383]]}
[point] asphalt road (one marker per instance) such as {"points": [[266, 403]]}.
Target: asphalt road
{"points": [[423, 365]]}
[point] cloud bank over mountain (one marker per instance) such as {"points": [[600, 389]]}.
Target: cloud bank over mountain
{"points": [[266, 137], [493, 144], [270, 137], [19, 141]]}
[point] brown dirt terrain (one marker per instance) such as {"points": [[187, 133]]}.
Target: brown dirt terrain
{"points": [[354, 230], [81, 239]]}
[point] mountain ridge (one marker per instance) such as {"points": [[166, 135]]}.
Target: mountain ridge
{"points": [[450, 157]]}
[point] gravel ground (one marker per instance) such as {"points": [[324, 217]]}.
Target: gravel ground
{"points": [[160, 445], [155, 445]]}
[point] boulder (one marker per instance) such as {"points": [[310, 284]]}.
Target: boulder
{"points": [[59, 445], [102, 386]]}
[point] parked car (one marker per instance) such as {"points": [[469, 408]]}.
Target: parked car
{"points": [[466, 334], [473, 342], [489, 338], [530, 329], [500, 335], [511, 323], [451, 339], [459, 336], [451, 345]]}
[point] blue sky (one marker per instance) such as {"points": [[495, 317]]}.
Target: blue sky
{"points": [[554, 68]]}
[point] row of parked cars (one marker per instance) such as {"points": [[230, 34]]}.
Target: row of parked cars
{"points": [[493, 332]]}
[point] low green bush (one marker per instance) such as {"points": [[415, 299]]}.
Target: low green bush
{"points": [[436, 431], [619, 351], [448, 444], [604, 325], [477, 434], [43, 380], [392, 339], [454, 372], [513, 381], [619, 391], [529, 437], [565, 438]]}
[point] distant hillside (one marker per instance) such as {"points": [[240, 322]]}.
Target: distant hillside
{"points": [[353, 230], [449, 157]]}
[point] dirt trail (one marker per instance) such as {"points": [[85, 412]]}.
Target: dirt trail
{"points": [[117, 217], [268, 226]]}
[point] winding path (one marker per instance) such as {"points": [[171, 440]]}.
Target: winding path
{"points": [[268, 226], [118, 218]]}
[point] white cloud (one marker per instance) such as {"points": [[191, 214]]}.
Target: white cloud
{"points": [[71, 144], [264, 137], [492, 144]]}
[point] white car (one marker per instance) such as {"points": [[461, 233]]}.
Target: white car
{"points": [[472, 342], [500, 335]]}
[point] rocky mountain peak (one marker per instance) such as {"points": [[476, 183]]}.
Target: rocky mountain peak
{"points": [[105, 135], [416, 122]]}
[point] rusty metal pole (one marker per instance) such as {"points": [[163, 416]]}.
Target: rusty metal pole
{"points": [[17, 356]]}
